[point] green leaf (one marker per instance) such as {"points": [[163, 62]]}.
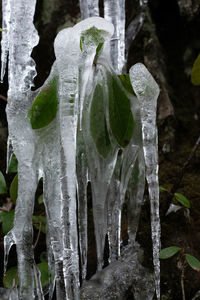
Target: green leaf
{"points": [[7, 219], [98, 125], [44, 107], [120, 115], [162, 189], [126, 82], [9, 277], [169, 252], [40, 199], [182, 199], [43, 267], [14, 189], [195, 76], [3, 187], [13, 167], [193, 262], [39, 222]]}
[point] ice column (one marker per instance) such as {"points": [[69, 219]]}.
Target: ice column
{"points": [[89, 8], [19, 42], [114, 12], [147, 92]]}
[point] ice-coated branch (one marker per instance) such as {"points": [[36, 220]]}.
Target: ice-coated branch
{"points": [[89, 8], [147, 92]]}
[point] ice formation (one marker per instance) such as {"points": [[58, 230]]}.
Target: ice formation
{"points": [[147, 92], [114, 12], [67, 153], [89, 8]]}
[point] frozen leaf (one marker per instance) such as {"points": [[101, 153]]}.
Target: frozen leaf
{"points": [[98, 125], [13, 165], [43, 267], [193, 262], [121, 119], [39, 222], [172, 208], [195, 76], [7, 219], [40, 199], [99, 47], [10, 277], [182, 199], [44, 107], [92, 36], [126, 82], [14, 189], [3, 188], [169, 252]]}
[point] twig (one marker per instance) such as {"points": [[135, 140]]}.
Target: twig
{"points": [[4, 98], [185, 165], [38, 236], [182, 281], [3, 209], [38, 280]]}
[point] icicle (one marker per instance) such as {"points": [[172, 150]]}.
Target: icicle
{"points": [[82, 179], [8, 242], [37, 276], [114, 212], [135, 25], [6, 10], [67, 64], [21, 39], [135, 196], [9, 153], [89, 8], [147, 92], [116, 195], [114, 12], [100, 168]]}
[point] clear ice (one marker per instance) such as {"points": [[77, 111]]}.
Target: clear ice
{"points": [[114, 12], [147, 92], [65, 155], [89, 8]]}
